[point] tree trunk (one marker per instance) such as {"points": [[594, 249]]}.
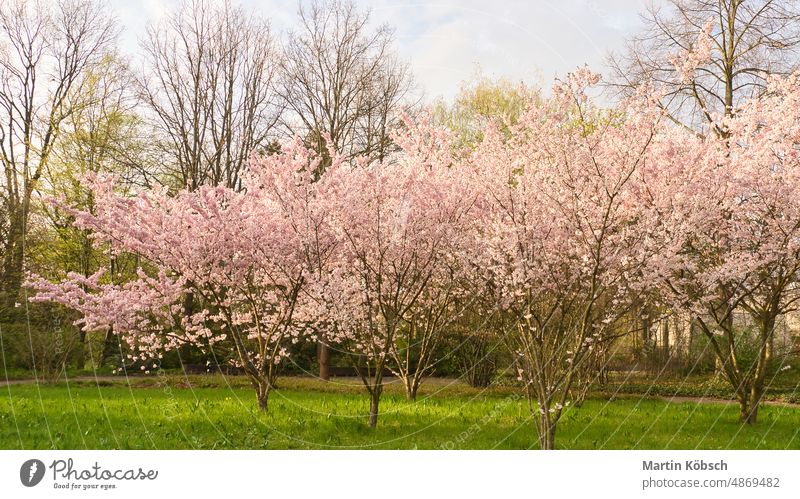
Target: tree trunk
{"points": [[324, 360], [374, 400], [756, 389], [13, 263], [547, 432], [262, 394], [690, 339], [80, 354], [645, 332], [720, 362], [645, 356], [748, 412], [411, 390], [110, 346]]}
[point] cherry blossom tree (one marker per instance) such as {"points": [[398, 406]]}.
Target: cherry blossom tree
{"points": [[244, 254], [560, 241], [390, 289], [726, 230]]}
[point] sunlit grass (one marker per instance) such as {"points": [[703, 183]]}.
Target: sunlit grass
{"points": [[308, 414]]}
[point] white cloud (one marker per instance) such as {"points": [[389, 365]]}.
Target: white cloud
{"points": [[444, 40], [531, 41]]}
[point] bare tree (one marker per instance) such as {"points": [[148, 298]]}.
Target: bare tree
{"points": [[208, 84], [340, 79], [47, 49], [101, 135], [749, 39]]}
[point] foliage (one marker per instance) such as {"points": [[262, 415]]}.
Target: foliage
{"points": [[480, 103]]}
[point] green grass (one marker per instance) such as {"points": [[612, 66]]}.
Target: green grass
{"points": [[171, 413]]}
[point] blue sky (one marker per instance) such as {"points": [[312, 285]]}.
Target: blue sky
{"points": [[445, 41]]}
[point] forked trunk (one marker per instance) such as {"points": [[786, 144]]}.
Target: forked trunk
{"points": [[262, 394], [411, 389], [748, 414], [748, 410], [547, 432]]}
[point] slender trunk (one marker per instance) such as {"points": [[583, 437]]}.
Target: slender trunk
{"points": [[374, 400], [730, 356], [730, 58], [411, 389], [110, 346], [13, 263], [602, 374], [771, 347], [756, 393], [690, 339], [188, 303], [324, 360], [547, 431], [748, 412], [80, 354]]}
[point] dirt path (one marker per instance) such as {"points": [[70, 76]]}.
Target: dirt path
{"points": [[76, 378], [435, 381], [714, 400]]}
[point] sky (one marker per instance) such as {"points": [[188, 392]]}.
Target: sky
{"points": [[446, 42]]}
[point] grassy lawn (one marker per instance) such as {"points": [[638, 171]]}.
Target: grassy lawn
{"points": [[174, 414]]}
